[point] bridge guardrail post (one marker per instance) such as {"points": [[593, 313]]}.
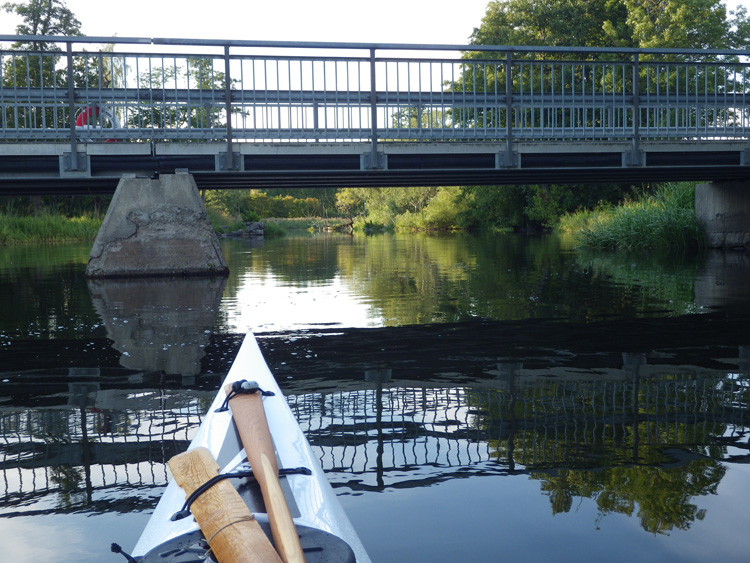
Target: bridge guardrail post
{"points": [[508, 158], [372, 161], [228, 161], [635, 158], [72, 162]]}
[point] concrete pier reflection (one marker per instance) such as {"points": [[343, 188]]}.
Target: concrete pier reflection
{"points": [[159, 324], [723, 284]]}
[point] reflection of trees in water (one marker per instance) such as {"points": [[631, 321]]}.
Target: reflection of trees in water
{"points": [[618, 442], [660, 497], [640, 445], [68, 480], [425, 278]]}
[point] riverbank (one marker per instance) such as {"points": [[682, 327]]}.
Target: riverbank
{"points": [[47, 227], [663, 219], [53, 228]]}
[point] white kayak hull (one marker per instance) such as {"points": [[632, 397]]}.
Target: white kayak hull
{"points": [[316, 504]]}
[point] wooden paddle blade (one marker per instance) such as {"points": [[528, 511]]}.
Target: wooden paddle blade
{"points": [[250, 419], [224, 518]]}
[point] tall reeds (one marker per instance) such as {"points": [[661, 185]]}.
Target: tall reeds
{"points": [[664, 219], [47, 228]]}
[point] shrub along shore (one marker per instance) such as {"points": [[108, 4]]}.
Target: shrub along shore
{"points": [[662, 218]]}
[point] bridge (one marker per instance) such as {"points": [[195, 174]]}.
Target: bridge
{"points": [[78, 113]]}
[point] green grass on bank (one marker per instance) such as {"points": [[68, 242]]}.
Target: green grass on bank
{"points": [[46, 227], [664, 219]]}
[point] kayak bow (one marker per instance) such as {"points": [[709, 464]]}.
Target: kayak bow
{"points": [[315, 510]]}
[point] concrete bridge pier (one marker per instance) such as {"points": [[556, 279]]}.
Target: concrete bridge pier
{"points": [[724, 208], [156, 227]]}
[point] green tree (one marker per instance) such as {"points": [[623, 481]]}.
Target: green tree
{"points": [[43, 17], [351, 201], [384, 205], [326, 196], [551, 23], [496, 207], [695, 24], [533, 207], [252, 205], [686, 24], [39, 68]]}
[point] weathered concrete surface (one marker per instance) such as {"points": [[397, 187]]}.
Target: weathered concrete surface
{"points": [[156, 228], [724, 208]]}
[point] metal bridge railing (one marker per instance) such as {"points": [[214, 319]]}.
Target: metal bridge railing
{"points": [[236, 91]]}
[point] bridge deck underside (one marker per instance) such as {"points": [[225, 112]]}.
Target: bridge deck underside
{"points": [[43, 169]]}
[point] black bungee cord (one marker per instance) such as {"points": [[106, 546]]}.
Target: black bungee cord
{"points": [[242, 387]]}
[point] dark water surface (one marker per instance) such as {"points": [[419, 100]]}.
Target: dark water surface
{"points": [[471, 398]]}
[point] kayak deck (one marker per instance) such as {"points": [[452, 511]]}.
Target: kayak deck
{"points": [[311, 499]]}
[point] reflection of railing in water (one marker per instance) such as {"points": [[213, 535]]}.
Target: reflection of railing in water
{"points": [[83, 459], [91, 460], [403, 433]]}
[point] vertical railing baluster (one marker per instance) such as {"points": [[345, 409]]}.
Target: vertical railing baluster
{"points": [[508, 110], [373, 114], [229, 164], [71, 107], [636, 143]]}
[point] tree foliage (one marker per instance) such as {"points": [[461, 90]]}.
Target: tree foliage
{"points": [[687, 24], [533, 207], [418, 208], [43, 17], [551, 23], [39, 69], [253, 205], [694, 24]]}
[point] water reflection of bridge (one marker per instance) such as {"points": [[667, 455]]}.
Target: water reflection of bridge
{"points": [[409, 436], [90, 459], [378, 435]]}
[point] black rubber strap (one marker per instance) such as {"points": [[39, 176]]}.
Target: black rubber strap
{"points": [[242, 387], [185, 511]]}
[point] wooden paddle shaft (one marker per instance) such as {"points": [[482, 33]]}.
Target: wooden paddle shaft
{"points": [[226, 521], [250, 419]]}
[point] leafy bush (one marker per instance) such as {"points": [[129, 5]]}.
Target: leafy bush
{"points": [[664, 219], [250, 205]]}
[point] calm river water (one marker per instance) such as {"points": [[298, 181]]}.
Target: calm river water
{"points": [[471, 398]]}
